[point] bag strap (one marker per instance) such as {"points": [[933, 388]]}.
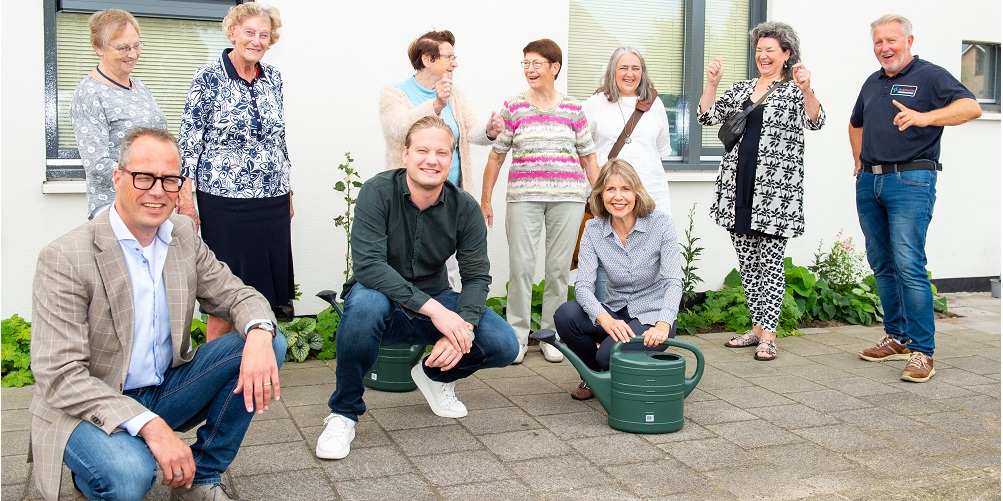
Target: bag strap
{"points": [[772, 88], [628, 128]]}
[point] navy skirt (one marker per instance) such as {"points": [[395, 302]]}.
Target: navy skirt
{"points": [[253, 237]]}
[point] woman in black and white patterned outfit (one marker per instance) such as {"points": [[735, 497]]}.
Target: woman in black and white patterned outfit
{"points": [[759, 188]]}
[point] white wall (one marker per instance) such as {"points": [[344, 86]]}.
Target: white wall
{"points": [[335, 62]]}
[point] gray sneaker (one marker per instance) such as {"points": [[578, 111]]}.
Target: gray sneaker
{"points": [[205, 492]]}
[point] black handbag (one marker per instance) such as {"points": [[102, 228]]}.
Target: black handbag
{"points": [[733, 128]]}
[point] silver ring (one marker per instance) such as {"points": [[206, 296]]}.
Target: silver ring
{"points": [[266, 384], [178, 474]]}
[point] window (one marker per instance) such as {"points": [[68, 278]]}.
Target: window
{"points": [[178, 38], [980, 72], [678, 39]]}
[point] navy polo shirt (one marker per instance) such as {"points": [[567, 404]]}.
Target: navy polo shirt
{"points": [[920, 86]]}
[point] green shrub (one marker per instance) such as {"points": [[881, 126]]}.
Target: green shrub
{"points": [[499, 304], [16, 352], [327, 326], [301, 337]]}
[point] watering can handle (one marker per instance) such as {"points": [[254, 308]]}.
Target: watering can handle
{"points": [[691, 382]]}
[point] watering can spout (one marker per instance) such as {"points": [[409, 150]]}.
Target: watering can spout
{"points": [[598, 381]]}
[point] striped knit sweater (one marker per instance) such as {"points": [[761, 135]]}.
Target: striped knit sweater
{"points": [[546, 148]]}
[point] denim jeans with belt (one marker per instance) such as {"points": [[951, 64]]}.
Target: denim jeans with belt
{"points": [[371, 320], [121, 466], [895, 210]]}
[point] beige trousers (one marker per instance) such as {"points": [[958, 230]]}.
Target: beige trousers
{"points": [[523, 224]]}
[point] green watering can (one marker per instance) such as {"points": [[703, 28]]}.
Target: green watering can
{"points": [[643, 391], [392, 370]]}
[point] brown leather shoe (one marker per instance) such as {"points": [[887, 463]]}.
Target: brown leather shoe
{"points": [[582, 392], [886, 349], [919, 368]]}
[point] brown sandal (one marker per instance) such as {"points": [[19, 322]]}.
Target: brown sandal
{"points": [[582, 392], [748, 338], [771, 350]]}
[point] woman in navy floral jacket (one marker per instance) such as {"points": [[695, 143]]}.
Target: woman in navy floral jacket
{"points": [[759, 189], [233, 144]]}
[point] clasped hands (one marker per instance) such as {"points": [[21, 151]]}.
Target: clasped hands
{"points": [[621, 331]]}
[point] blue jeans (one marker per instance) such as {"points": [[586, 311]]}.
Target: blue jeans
{"points": [[121, 466], [371, 320], [581, 335], [895, 210]]}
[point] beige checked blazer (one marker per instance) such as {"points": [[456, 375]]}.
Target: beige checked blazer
{"points": [[82, 329]]}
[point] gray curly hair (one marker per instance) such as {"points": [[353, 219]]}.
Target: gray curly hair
{"points": [[787, 37], [645, 89]]}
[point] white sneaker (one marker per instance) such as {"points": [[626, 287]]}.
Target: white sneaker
{"points": [[550, 353], [337, 438], [441, 396], [522, 354]]}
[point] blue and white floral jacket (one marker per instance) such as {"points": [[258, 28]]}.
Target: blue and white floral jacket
{"points": [[233, 134]]}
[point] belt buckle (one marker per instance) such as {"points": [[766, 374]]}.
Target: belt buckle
{"points": [[877, 169]]}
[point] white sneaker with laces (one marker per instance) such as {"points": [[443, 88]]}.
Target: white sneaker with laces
{"points": [[522, 354], [441, 396], [550, 353], [336, 440]]}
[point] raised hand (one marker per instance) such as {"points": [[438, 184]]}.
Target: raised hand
{"points": [[802, 77], [495, 125], [715, 71], [444, 89]]}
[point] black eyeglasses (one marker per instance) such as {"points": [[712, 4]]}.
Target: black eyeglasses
{"points": [[144, 181]]}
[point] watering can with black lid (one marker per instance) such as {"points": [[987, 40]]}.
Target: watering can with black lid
{"points": [[643, 391]]}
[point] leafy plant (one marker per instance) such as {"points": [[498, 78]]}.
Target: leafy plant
{"points": [[327, 326], [690, 254], [939, 302], [198, 329], [349, 182], [16, 352], [842, 267], [499, 304], [301, 337]]}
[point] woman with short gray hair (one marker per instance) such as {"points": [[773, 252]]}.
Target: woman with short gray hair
{"points": [[759, 188]]}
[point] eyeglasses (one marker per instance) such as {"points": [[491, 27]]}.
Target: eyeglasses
{"points": [[145, 181], [451, 57], [125, 49], [537, 64]]}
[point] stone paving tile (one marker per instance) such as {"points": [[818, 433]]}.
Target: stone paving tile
{"points": [[960, 377], [673, 477], [980, 405], [615, 449], [528, 385], [989, 390], [750, 437], [306, 395], [810, 459], [787, 384], [977, 460], [561, 375], [549, 403], [309, 376], [367, 434], [274, 431], [750, 397], [883, 461], [844, 438], [750, 369], [578, 425], [15, 398], [806, 346], [563, 473], [373, 462], [458, 468], [391, 488], [976, 365], [932, 442], [407, 418], [708, 454], [484, 398], [609, 491], [528, 444], [15, 470], [715, 411], [501, 490], [828, 400], [305, 485], [763, 485], [718, 379], [690, 431], [272, 458], [309, 415], [962, 424], [907, 404], [876, 419], [793, 416], [15, 420], [498, 421], [435, 440], [849, 484], [14, 444], [376, 399], [935, 389], [814, 372], [521, 370], [13, 492], [858, 386], [698, 395]]}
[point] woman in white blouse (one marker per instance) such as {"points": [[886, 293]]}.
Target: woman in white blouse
{"points": [[637, 246], [625, 83]]}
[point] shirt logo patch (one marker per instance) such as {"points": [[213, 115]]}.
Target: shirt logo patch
{"points": [[904, 90]]}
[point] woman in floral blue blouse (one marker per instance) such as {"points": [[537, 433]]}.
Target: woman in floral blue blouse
{"points": [[233, 144]]}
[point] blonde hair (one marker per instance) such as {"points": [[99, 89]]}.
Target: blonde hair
{"points": [[108, 24], [239, 13], [429, 122], [643, 203], [893, 18]]}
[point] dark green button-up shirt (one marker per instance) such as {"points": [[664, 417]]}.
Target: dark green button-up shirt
{"points": [[401, 251]]}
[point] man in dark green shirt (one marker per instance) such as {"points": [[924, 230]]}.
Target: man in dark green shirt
{"points": [[407, 223]]}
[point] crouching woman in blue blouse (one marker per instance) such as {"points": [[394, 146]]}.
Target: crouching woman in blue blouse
{"points": [[637, 247]]}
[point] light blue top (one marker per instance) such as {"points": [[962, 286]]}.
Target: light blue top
{"points": [[419, 95], [151, 343]]}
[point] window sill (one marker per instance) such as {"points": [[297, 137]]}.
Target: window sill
{"points": [[63, 186], [993, 116], [687, 176]]}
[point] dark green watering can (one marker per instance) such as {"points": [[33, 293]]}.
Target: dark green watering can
{"points": [[392, 370], [643, 391]]}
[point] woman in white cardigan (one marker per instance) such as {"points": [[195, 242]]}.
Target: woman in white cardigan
{"points": [[431, 92]]}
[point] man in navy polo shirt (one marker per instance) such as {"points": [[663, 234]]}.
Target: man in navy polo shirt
{"points": [[895, 131]]}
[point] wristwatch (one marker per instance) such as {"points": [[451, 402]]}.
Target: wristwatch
{"points": [[265, 326]]}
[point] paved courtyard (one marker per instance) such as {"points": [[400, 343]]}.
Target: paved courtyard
{"points": [[817, 423]]}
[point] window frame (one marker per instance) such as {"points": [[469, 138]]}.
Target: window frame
{"points": [[990, 71], [64, 163]]}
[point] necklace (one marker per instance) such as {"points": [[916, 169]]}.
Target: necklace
{"points": [[627, 140], [98, 67]]}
